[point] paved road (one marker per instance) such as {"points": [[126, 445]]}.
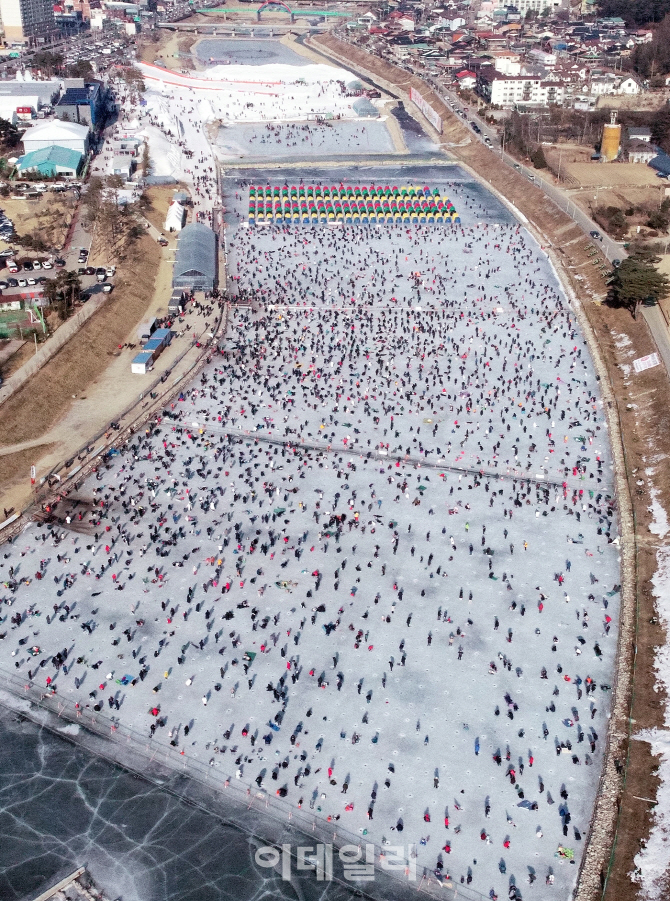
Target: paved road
{"points": [[659, 330], [610, 248], [152, 231]]}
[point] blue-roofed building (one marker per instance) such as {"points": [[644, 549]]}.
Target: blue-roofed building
{"points": [[82, 103], [50, 162], [661, 163]]}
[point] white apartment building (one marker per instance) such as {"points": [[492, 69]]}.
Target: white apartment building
{"points": [[509, 91], [507, 65], [538, 6], [28, 21]]}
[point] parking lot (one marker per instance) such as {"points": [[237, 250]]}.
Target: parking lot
{"points": [[25, 277]]}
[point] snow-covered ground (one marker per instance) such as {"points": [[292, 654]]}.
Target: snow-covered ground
{"points": [[179, 109], [259, 93], [175, 127]]}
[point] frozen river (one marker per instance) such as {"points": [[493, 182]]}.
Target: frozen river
{"points": [[304, 140], [247, 52], [364, 564]]}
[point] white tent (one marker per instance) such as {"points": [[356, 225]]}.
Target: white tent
{"points": [[62, 134], [174, 221]]}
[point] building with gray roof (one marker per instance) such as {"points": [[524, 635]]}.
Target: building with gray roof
{"points": [[195, 263]]}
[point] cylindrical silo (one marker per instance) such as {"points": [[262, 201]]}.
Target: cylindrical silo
{"points": [[611, 142]]}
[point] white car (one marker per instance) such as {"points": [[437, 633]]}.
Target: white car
{"points": [[37, 265], [47, 265], [23, 283], [111, 271], [32, 281]]}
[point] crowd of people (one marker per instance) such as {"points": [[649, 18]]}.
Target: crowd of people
{"points": [[368, 561]]}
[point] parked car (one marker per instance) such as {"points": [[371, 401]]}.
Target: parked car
{"points": [[37, 265], [27, 266], [90, 270], [47, 265], [12, 283], [23, 283], [59, 261], [596, 235]]}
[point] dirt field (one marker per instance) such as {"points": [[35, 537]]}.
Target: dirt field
{"points": [[645, 433], [18, 358], [650, 101], [163, 50], [50, 215], [590, 184], [646, 437], [160, 199], [606, 175]]}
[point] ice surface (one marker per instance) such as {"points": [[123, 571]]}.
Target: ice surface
{"points": [[248, 52], [61, 806], [304, 140], [430, 384]]}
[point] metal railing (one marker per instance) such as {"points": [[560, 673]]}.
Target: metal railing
{"points": [[276, 820], [89, 450]]}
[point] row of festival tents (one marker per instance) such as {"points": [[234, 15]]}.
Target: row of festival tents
{"points": [[317, 203]]}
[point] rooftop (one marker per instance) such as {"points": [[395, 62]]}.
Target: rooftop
{"points": [[76, 96], [55, 128], [196, 255], [49, 157]]}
